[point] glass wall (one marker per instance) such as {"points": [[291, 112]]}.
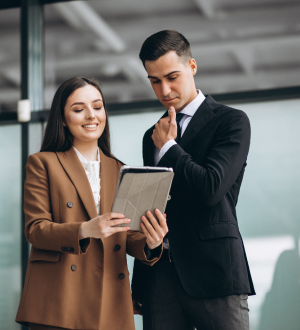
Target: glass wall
{"points": [[10, 74], [10, 171], [268, 211], [10, 224]]}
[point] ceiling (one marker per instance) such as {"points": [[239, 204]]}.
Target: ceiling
{"points": [[238, 45]]}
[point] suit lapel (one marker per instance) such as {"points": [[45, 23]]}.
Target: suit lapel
{"points": [[109, 173], [149, 145], [201, 117], [77, 175], [149, 148]]}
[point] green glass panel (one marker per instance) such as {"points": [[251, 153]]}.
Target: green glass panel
{"points": [[10, 224]]}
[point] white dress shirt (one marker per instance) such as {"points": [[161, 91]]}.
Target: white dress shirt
{"points": [[188, 112], [92, 170]]}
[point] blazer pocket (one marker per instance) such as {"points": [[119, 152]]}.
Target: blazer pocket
{"points": [[219, 230], [44, 255]]}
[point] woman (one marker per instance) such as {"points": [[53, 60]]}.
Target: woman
{"points": [[77, 275]]}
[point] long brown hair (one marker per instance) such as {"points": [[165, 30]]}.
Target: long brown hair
{"points": [[57, 137]]}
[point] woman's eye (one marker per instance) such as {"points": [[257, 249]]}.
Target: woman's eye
{"points": [[78, 110], [98, 108], [172, 78]]}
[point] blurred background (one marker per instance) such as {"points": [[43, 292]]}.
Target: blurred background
{"points": [[238, 45], [248, 56]]}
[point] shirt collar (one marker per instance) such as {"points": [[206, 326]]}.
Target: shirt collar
{"points": [[83, 160], [193, 106]]}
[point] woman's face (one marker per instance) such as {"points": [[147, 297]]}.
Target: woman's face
{"points": [[85, 115]]}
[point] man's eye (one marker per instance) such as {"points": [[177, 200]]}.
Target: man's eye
{"points": [[172, 78]]}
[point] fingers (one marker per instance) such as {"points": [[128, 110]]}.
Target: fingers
{"points": [[102, 226], [172, 115], [116, 222], [155, 229], [162, 220], [113, 215], [151, 226]]}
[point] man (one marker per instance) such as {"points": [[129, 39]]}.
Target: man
{"points": [[203, 279]]}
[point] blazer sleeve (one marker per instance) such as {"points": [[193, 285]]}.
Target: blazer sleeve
{"points": [[40, 230], [136, 243], [223, 162]]}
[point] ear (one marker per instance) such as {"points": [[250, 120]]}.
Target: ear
{"points": [[64, 124], [193, 66]]}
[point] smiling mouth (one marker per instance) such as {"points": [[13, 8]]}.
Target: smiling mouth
{"points": [[90, 126]]}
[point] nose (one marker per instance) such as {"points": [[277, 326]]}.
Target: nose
{"points": [[165, 89], [90, 113]]}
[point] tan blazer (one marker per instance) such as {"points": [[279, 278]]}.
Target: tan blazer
{"points": [[70, 284]]}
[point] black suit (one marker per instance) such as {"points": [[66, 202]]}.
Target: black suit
{"points": [[209, 164]]}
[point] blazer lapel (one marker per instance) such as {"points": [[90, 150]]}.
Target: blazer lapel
{"points": [[109, 173], [77, 175], [150, 146], [201, 117]]}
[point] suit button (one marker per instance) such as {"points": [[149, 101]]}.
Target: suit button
{"points": [[169, 197], [73, 268], [63, 249], [121, 276], [117, 247], [70, 204]]}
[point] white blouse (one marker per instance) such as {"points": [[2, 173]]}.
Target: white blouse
{"points": [[92, 170]]}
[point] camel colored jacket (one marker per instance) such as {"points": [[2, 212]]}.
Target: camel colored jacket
{"points": [[70, 283]]}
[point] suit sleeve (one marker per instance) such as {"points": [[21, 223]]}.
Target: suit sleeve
{"points": [[40, 230], [136, 242], [223, 162]]}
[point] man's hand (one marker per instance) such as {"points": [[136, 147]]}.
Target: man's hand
{"points": [[155, 228], [165, 129], [137, 307]]}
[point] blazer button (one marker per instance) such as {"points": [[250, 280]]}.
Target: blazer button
{"points": [[169, 197], [63, 248], [117, 247], [121, 276], [70, 204], [73, 268]]}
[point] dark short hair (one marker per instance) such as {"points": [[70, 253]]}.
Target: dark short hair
{"points": [[162, 42], [57, 137]]}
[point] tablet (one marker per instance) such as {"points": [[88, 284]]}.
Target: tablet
{"points": [[141, 189]]}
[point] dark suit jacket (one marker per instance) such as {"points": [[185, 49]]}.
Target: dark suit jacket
{"points": [[209, 164]]}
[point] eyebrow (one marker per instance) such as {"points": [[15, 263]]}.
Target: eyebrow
{"points": [[168, 74], [80, 103]]}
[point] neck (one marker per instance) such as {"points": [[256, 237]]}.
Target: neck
{"points": [[192, 98], [87, 149]]}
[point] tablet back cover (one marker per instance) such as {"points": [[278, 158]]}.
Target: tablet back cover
{"points": [[142, 192]]}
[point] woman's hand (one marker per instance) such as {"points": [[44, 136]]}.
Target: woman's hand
{"points": [[155, 229], [103, 226]]}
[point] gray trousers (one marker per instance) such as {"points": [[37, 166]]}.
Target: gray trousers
{"points": [[166, 305]]}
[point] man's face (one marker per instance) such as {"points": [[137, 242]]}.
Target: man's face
{"points": [[172, 80]]}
